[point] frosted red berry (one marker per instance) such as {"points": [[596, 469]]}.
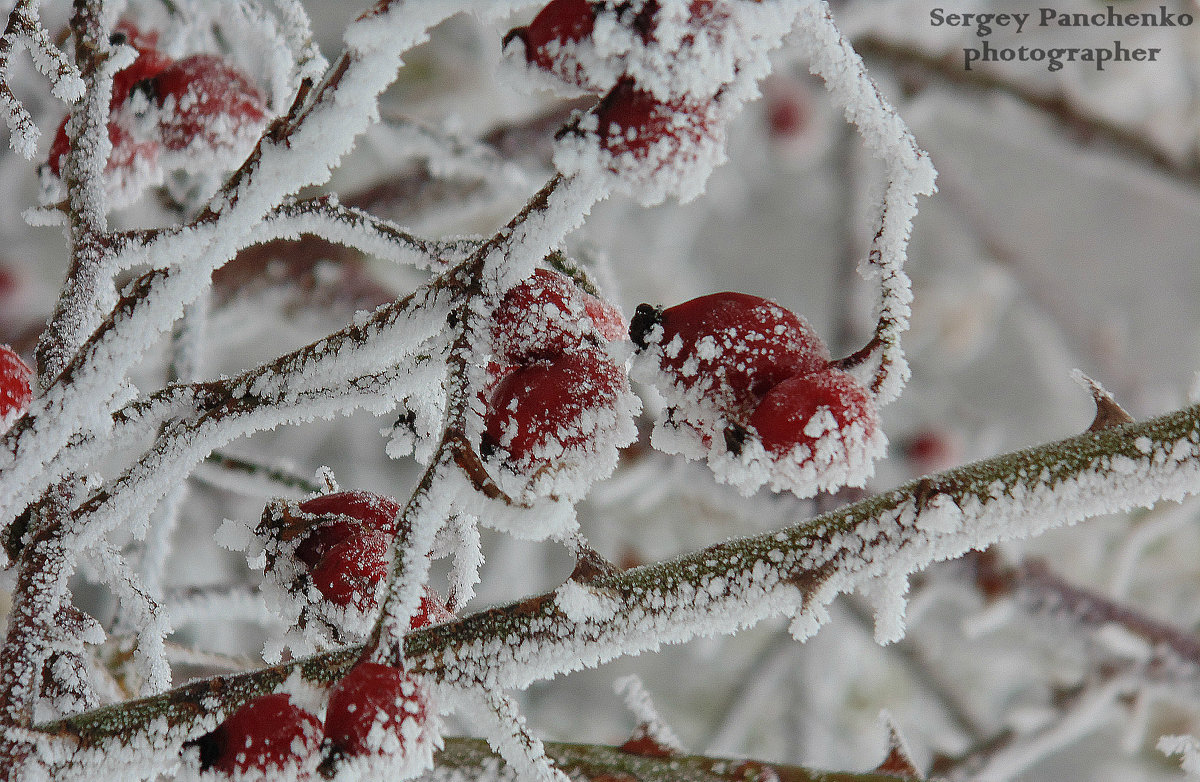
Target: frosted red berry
{"points": [[369, 708], [127, 152], [377, 511], [548, 39], [546, 315], [544, 410], [631, 121], [349, 572], [787, 416], [344, 514], [266, 735], [16, 387], [149, 63], [206, 103], [733, 347], [430, 611]]}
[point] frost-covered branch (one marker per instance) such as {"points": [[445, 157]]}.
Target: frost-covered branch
{"points": [[794, 571], [468, 759]]}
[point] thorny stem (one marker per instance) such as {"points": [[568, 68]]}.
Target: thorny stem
{"points": [[511, 646], [593, 763]]}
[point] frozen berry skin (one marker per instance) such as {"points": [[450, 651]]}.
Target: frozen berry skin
{"points": [[349, 572], [733, 347], [430, 611], [205, 102], [547, 315], [149, 63], [342, 514], [264, 736], [16, 387], [784, 419], [631, 121], [377, 511], [373, 694], [549, 37], [545, 410], [126, 151]]}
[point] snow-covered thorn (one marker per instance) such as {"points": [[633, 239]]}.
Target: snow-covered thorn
{"points": [[589, 563], [899, 761], [652, 737], [1108, 412]]}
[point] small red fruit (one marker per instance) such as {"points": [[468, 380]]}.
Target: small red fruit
{"points": [[631, 121], [349, 571], [549, 38], [547, 315], [149, 63], [206, 103], [430, 611], [733, 347], [788, 416], [266, 735], [377, 709], [544, 411], [126, 151], [16, 388], [346, 513]]}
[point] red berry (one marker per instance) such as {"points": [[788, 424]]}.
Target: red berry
{"points": [[786, 418], [377, 511], [550, 36], [547, 315], [324, 537], [264, 736], [127, 158], [345, 513], [734, 347], [376, 709], [149, 63], [430, 611], [349, 571], [631, 121], [16, 390], [543, 411], [206, 103]]}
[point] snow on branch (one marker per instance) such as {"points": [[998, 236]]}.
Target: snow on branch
{"points": [[909, 174], [794, 571], [25, 29]]}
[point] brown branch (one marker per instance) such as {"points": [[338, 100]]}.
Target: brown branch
{"points": [[598, 763]]}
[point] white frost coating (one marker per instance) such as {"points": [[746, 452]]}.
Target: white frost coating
{"points": [[694, 425], [888, 597], [909, 174], [1186, 747], [940, 514], [468, 560], [650, 722], [140, 611], [498, 719], [584, 603]]}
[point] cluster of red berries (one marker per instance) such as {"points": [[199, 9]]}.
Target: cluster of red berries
{"points": [[750, 386], [330, 556], [376, 716], [661, 116], [557, 405], [191, 111], [16, 388]]}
